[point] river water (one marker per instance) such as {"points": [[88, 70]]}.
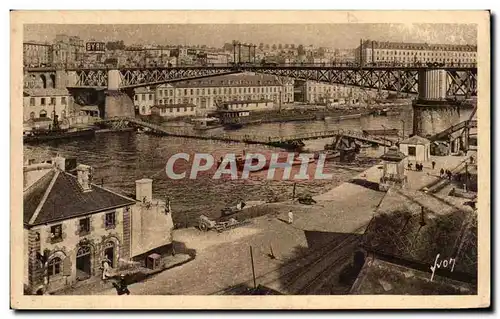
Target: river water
{"points": [[119, 159]]}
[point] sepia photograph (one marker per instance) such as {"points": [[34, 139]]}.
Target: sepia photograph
{"points": [[300, 163]]}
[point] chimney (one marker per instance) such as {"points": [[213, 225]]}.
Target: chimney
{"points": [[84, 177], [144, 190]]}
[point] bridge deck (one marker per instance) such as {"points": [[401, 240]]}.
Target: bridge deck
{"points": [[255, 139]]}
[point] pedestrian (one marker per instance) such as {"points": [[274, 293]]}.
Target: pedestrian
{"points": [[290, 217], [433, 164], [441, 172], [122, 286], [410, 166]]}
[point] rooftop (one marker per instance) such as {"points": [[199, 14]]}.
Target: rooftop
{"points": [[58, 196], [393, 155], [379, 277], [45, 92], [233, 80], [415, 227]]}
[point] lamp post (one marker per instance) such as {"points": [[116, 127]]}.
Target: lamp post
{"points": [[403, 128]]}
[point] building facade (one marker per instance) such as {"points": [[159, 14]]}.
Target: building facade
{"points": [[173, 110], [37, 54], [46, 103], [207, 94], [375, 51], [313, 92], [68, 50]]}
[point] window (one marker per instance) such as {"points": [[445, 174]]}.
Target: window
{"points": [[191, 91], [185, 91], [56, 233], [84, 226], [412, 151], [143, 97], [171, 110], [54, 267], [135, 97], [150, 97], [63, 100], [192, 109], [110, 220], [42, 101], [178, 110], [32, 101], [52, 101]]}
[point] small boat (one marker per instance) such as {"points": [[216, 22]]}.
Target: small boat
{"points": [[232, 126]]}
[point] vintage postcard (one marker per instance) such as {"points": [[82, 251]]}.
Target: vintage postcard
{"points": [[250, 159]]}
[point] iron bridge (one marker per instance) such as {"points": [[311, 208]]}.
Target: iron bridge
{"points": [[461, 78]]}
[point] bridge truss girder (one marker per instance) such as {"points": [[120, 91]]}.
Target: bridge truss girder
{"points": [[141, 77], [460, 82]]}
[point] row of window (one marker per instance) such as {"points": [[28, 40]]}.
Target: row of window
{"points": [[48, 101], [412, 59], [84, 227], [413, 53], [171, 109], [218, 91]]}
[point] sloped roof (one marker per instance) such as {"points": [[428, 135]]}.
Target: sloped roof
{"points": [[416, 140], [58, 196], [45, 92]]}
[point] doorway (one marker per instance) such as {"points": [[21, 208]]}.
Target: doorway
{"points": [[83, 263], [109, 253]]}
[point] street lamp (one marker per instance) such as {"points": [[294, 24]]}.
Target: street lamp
{"points": [[403, 128]]}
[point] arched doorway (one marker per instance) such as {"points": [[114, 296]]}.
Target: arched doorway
{"points": [[53, 80], [44, 81], [84, 262]]}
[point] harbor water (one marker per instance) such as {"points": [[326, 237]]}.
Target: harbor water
{"points": [[121, 158]]}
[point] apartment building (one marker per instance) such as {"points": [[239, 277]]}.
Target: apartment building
{"points": [[375, 51], [207, 94]]}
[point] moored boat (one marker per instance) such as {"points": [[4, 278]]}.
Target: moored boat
{"points": [[44, 136]]}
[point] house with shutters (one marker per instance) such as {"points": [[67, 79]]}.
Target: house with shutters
{"points": [[71, 225]]}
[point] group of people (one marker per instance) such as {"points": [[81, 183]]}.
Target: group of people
{"points": [[418, 167], [445, 174]]}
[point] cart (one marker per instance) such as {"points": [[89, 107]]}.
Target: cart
{"points": [[205, 224]]}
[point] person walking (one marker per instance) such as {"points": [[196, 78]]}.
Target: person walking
{"points": [[290, 217], [433, 164], [441, 172]]}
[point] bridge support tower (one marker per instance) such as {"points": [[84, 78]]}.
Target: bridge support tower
{"points": [[118, 103], [432, 112]]}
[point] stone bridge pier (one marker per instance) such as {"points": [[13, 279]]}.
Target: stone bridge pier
{"points": [[432, 112], [118, 102]]}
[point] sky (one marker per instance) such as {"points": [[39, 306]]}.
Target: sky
{"points": [[215, 35]]}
